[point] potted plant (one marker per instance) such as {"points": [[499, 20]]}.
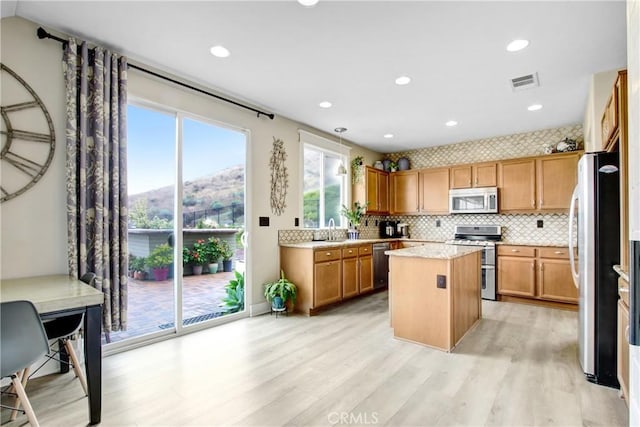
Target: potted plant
{"points": [[212, 249], [227, 253], [393, 166], [198, 257], [159, 260], [234, 301], [354, 216], [137, 265], [281, 293]]}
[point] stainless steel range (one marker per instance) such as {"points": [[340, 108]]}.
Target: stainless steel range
{"points": [[487, 236]]}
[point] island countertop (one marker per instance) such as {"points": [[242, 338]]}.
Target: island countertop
{"points": [[435, 251]]}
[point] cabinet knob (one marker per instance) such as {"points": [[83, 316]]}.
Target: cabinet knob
{"points": [[350, 251], [328, 254], [558, 252], [515, 250], [533, 266]]}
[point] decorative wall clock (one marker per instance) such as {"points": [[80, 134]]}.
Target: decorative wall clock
{"points": [[28, 137]]}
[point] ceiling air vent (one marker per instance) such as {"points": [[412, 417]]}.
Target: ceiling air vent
{"points": [[525, 82]]}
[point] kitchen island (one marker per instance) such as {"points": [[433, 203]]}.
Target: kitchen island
{"points": [[434, 293]]}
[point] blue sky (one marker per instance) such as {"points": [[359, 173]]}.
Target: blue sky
{"points": [[151, 149]]}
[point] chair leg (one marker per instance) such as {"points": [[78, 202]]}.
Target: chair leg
{"points": [[31, 416], [76, 365], [23, 377]]}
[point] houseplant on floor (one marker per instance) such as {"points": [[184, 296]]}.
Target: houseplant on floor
{"points": [[354, 216], [234, 301], [281, 293], [159, 260]]}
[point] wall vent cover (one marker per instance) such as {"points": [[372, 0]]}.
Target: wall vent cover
{"points": [[525, 82]]}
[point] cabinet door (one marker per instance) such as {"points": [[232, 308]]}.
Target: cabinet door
{"points": [[350, 277], [623, 349], [434, 191], [383, 193], [555, 281], [404, 192], [366, 273], [327, 284], [461, 177], [485, 175], [517, 185], [371, 183], [557, 177], [516, 276]]}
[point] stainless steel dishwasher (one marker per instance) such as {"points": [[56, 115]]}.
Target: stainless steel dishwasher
{"points": [[380, 265]]}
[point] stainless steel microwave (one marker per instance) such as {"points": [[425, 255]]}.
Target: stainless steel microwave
{"points": [[473, 200]]}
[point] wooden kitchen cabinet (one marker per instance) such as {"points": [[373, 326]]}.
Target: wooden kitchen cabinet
{"points": [[476, 175], [373, 191], [623, 339], [517, 185], [404, 192], [536, 274], [328, 283], [350, 287], [555, 180], [365, 264], [434, 191]]}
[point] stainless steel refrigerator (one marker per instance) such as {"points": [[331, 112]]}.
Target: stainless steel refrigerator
{"points": [[594, 224]]}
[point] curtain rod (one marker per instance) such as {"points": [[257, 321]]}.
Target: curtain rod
{"points": [[43, 34]]}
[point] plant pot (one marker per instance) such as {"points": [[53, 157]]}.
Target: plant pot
{"points": [[138, 275], [160, 273], [277, 304], [197, 270], [213, 268], [353, 234], [227, 265]]}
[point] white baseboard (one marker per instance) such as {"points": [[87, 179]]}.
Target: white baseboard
{"points": [[258, 309]]}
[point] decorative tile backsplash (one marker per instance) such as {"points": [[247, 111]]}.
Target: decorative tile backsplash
{"points": [[495, 148]]}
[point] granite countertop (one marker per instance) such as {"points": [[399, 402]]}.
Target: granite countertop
{"points": [[435, 251], [621, 272], [314, 244]]}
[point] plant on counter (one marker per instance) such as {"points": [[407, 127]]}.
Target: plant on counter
{"points": [[280, 293], [234, 301], [355, 215]]}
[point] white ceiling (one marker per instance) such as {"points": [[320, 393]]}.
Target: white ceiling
{"points": [[286, 58]]}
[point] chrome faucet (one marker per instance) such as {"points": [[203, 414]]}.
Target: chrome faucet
{"points": [[332, 229]]}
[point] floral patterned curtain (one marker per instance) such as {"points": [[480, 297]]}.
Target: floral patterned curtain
{"points": [[96, 139]]}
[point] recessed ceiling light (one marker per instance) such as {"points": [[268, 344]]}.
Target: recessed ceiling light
{"points": [[220, 51], [451, 123], [325, 104], [403, 80], [534, 107], [388, 135], [308, 3], [517, 45]]}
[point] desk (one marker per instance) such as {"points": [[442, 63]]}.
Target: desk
{"points": [[58, 296]]}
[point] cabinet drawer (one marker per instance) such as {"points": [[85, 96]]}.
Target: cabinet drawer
{"points": [[508, 250], [349, 252], [557, 253], [365, 250], [326, 255]]}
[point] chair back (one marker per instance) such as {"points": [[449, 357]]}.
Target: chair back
{"points": [[89, 279], [22, 337]]}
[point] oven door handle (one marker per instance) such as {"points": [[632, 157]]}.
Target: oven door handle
{"points": [[488, 267]]}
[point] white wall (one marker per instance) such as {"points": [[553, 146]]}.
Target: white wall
{"points": [[34, 224], [600, 88]]}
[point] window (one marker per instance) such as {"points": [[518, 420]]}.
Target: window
{"points": [[324, 192]]}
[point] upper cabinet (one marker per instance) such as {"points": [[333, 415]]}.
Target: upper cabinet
{"points": [[537, 184], [374, 191], [477, 175], [404, 192], [434, 191]]}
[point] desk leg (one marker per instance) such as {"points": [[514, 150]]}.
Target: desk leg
{"points": [[64, 357], [93, 360]]}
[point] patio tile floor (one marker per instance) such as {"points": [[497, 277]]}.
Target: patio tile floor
{"points": [[150, 304]]}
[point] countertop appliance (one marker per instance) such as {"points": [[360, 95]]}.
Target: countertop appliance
{"points": [[473, 200], [380, 265], [486, 236], [595, 216], [403, 229], [388, 229]]}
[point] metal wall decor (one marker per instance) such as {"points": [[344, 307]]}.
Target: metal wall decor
{"points": [[28, 137], [279, 177]]}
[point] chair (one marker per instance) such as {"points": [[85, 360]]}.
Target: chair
{"points": [[22, 342]]}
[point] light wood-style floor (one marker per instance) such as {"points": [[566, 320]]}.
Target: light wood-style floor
{"points": [[518, 367]]}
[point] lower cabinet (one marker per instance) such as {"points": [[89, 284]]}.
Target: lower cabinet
{"points": [[327, 276], [536, 273]]}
